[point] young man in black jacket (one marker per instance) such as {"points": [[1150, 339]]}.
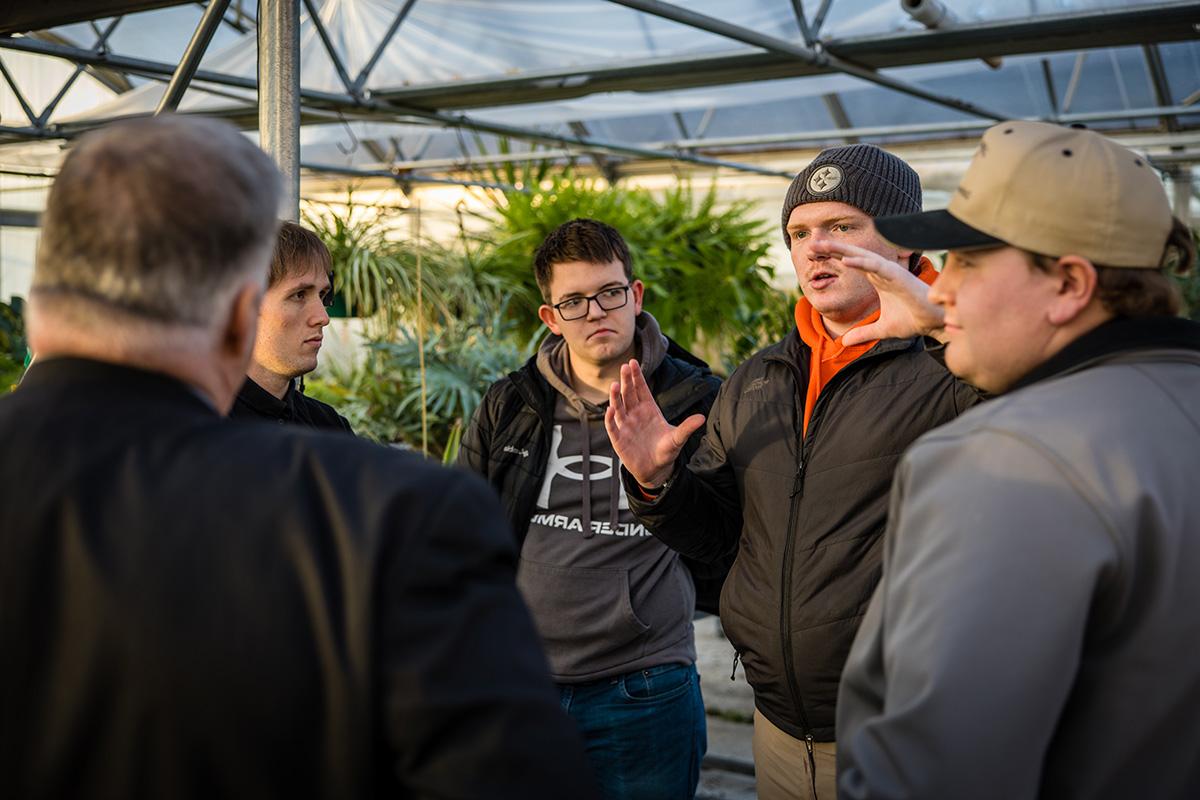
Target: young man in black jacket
{"points": [[291, 321], [613, 605], [795, 466], [196, 607]]}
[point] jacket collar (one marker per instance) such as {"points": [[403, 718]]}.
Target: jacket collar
{"points": [[265, 403], [103, 378], [1121, 335], [792, 348]]}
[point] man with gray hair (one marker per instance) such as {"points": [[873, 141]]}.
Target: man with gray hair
{"points": [[196, 607]]}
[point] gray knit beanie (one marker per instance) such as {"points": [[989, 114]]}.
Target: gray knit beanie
{"points": [[861, 175]]}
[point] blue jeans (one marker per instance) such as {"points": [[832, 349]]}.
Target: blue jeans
{"points": [[644, 731]]}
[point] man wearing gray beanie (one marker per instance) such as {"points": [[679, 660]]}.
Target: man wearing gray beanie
{"points": [[796, 465]]}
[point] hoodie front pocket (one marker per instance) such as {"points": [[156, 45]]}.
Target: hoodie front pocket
{"points": [[584, 615]]}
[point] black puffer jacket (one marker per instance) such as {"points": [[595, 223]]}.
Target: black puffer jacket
{"points": [[508, 441], [805, 514]]}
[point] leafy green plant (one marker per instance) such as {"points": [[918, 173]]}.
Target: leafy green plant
{"points": [[376, 270], [1189, 285], [382, 396], [12, 343], [705, 267]]}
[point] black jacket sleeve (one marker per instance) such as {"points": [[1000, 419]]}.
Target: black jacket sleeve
{"points": [[699, 515], [476, 439], [467, 705]]}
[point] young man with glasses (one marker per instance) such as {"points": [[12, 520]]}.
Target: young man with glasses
{"points": [[291, 322], [613, 605]]}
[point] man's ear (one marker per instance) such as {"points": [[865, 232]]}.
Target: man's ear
{"points": [[638, 288], [546, 314], [1075, 278], [241, 326]]}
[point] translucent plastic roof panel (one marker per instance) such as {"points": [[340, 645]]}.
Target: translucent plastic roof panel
{"points": [[446, 45], [447, 40], [850, 18]]}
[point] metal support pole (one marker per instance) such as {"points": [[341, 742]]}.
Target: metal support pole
{"points": [[192, 55], [279, 95], [821, 59]]}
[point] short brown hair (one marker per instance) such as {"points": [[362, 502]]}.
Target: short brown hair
{"points": [[581, 239], [156, 218], [1140, 292], [298, 251]]}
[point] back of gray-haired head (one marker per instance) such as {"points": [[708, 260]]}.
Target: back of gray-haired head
{"points": [[158, 218]]}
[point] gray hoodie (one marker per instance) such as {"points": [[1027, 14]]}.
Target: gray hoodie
{"points": [[607, 597]]}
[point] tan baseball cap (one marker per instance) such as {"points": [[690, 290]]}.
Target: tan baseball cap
{"points": [[1051, 190]]}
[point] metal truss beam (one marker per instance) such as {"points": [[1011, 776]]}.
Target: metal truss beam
{"points": [[209, 22], [1043, 34], [99, 46], [1158, 79], [21, 17], [825, 58], [315, 17], [390, 111], [802, 21], [1051, 92], [399, 176], [1073, 83], [819, 19], [18, 218], [16, 90], [923, 129], [1051, 33], [111, 79], [361, 80]]}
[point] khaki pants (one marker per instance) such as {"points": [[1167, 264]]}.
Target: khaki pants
{"points": [[781, 770]]}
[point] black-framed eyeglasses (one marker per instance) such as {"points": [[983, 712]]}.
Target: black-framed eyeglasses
{"points": [[609, 299]]}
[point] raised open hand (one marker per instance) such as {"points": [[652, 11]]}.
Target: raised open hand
{"points": [[643, 439], [904, 306]]}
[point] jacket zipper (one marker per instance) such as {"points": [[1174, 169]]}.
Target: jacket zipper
{"points": [[785, 614], [785, 605]]}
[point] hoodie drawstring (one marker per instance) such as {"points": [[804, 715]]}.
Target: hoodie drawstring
{"points": [[585, 469], [614, 488]]}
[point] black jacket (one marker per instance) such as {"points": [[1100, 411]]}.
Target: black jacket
{"points": [[198, 607], [508, 441], [805, 514], [255, 402]]}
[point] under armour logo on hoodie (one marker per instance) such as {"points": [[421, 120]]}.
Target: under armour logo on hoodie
{"points": [[566, 467]]}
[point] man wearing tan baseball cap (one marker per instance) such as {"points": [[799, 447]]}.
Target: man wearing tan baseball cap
{"points": [[1034, 632]]}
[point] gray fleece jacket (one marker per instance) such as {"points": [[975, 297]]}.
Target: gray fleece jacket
{"points": [[1035, 631], [607, 597]]}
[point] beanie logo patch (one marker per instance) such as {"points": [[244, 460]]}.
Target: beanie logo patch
{"points": [[825, 180]]}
